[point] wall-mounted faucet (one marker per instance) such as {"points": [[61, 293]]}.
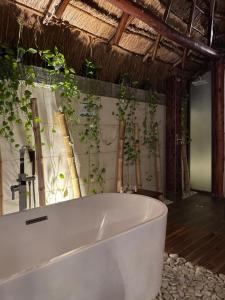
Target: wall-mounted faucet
{"points": [[23, 179]]}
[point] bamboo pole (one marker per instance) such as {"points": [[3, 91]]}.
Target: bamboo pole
{"points": [[1, 185], [158, 174], [38, 149], [70, 154], [185, 168], [120, 156], [138, 160]]}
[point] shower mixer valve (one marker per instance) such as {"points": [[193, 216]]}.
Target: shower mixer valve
{"points": [[23, 180]]}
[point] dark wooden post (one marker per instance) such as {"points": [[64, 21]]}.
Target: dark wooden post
{"points": [[217, 128], [173, 138]]}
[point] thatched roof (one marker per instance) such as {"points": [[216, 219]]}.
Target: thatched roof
{"points": [[86, 28]]}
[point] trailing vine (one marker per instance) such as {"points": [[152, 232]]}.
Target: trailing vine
{"points": [[184, 126], [91, 137], [62, 78], [126, 108], [89, 69], [150, 125], [15, 109], [129, 145]]}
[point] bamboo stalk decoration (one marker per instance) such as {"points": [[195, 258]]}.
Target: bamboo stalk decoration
{"points": [[38, 150], [157, 160], [70, 154], [120, 156], [138, 160], [1, 185], [185, 169]]}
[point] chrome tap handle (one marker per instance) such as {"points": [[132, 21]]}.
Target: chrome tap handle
{"points": [[14, 188]]}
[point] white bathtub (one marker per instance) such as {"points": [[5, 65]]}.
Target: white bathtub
{"points": [[102, 247]]}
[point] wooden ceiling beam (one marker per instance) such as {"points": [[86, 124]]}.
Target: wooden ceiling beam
{"points": [[158, 25], [211, 22], [157, 42], [55, 8], [200, 10], [189, 30], [61, 8], [123, 23], [191, 18]]}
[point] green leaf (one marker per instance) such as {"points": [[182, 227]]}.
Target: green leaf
{"points": [[61, 176], [37, 120], [32, 51], [21, 51]]}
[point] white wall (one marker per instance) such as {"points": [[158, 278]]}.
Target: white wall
{"points": [[54, 153]]}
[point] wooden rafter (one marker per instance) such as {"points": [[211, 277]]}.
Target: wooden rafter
{"points": [[191, 18], [156, 45], [55, 8], [200, 10], [123, 23], [153, 21], [211, 21], [189, 29], [41, 14], [61, 8]]}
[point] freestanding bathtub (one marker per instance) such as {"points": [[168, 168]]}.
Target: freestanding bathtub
{"points": [[101, 247]]}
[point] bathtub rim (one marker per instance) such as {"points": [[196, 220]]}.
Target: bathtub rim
{"points": [[48, 206], [90, 245]]}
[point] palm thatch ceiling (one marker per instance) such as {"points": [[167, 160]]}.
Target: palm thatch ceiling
{"points": [[117, 41]]}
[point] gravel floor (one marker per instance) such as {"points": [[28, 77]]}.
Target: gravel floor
{"points": [[183, 280]]}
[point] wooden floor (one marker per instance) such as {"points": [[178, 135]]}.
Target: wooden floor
{"points": [[196, 231]]}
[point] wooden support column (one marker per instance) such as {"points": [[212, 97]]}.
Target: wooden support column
{"points": [[173, 138], [218, 128]]}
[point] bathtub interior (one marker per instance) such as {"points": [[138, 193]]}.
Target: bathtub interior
{"points": [[69, 225]]}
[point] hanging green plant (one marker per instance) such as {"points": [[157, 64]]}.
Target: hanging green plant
{"points": [[150, 135], [16, 80], [91, 137], [123, 103], [15, 107], [62, 78], [89, 69], [129, 145], [184, 119], [126, 108], [150, 126]]}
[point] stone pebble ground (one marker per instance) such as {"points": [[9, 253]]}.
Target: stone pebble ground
{"points": [[183, 280]]}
